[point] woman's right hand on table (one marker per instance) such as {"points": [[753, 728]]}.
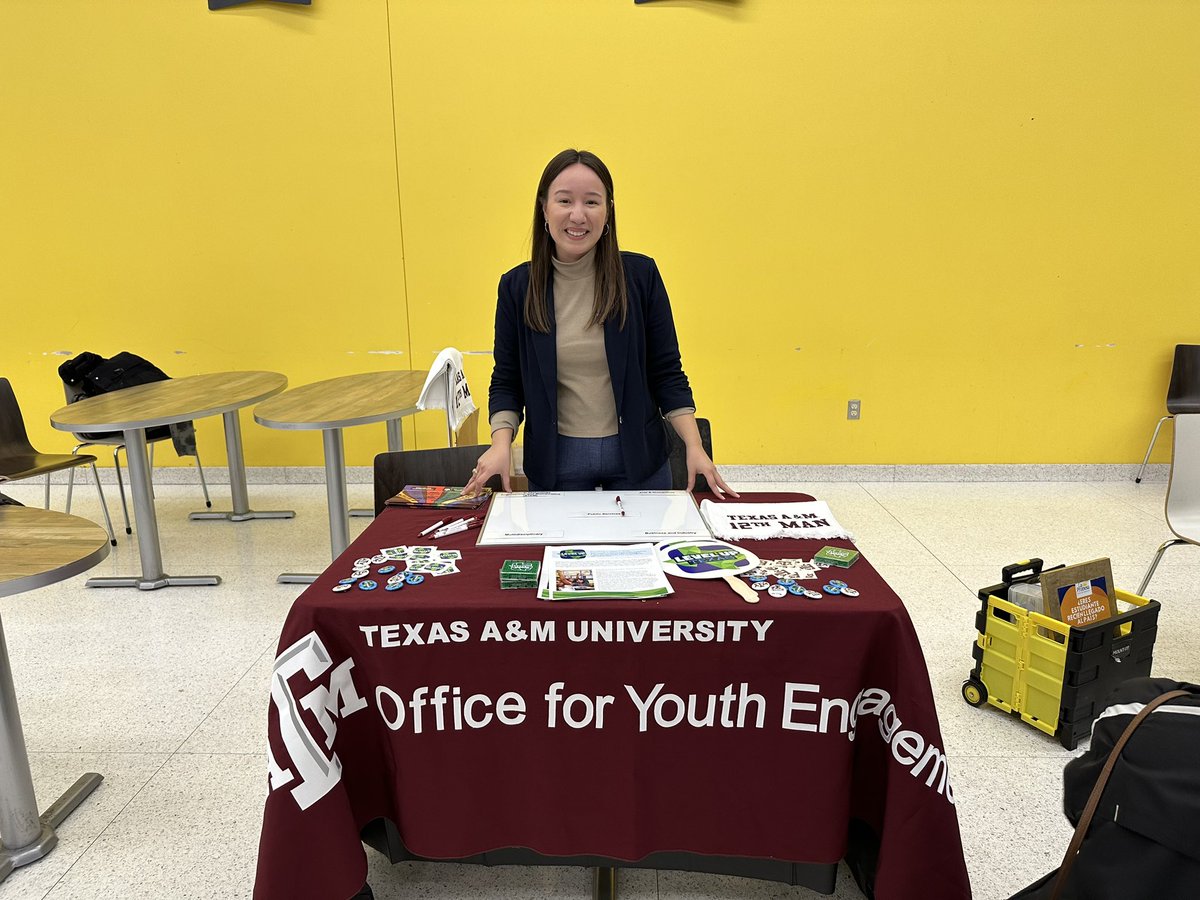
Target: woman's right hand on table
{"points": [[496, 460]]}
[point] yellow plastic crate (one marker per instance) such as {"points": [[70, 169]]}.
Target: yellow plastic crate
{"points": [[1024, 659]]}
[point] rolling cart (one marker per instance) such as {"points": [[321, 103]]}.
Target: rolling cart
{"points": [[1054, 675]]}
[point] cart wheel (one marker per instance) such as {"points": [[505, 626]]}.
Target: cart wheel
{"points": [[974, 691]]}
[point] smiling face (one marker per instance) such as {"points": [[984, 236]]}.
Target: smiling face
{"points": [[576, 210]]}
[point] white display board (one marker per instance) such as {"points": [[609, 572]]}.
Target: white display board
{"points": [[593, 517]]}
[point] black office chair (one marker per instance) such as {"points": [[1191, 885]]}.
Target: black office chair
{"points": [[1183, 394], [19, 459], [449, 466], [678, 457]]}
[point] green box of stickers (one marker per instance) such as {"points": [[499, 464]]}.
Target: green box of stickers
{"points": [[836, 556], [519, 573]]}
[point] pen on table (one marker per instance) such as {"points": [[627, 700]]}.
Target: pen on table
{"points": [[620, 504], [431, 527], [455, 529], [456, 523]]}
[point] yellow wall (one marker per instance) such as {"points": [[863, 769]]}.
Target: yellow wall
{"points": [[969, 215]]}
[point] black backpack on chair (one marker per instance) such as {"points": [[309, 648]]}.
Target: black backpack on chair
{"points": [[94, 375], [1138, 788], [90, 375]]}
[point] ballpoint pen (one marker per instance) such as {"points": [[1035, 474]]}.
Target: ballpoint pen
{"points": [[455, 524], [455, 529], [620, 505], [432, 527]]}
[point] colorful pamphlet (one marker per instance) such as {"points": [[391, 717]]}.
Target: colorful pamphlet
{"points": [[431, 496]]}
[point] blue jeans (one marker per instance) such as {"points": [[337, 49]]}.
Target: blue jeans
{"points": [[587, 463]]}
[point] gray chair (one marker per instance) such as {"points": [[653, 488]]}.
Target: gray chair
{"points": [[1183, 393], [116, 440], [19, 459], [1183, 491], [446, 465]]}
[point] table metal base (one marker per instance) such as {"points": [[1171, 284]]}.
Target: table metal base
{"points": [[153, 584], [335, 498], [604, 884], [239, 497], [52, 818], [233, 516], [362, 513]]}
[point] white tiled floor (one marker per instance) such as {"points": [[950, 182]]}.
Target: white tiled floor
{"points": [[165, 693]]}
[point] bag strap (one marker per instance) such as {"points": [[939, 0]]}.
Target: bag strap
{"points": [[1060, 883]]}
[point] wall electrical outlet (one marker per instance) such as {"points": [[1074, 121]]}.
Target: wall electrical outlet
{"points": [[853, 409]]}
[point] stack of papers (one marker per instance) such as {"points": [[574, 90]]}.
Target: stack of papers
{"points": [[602, 572]]}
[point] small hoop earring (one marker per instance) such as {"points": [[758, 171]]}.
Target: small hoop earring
{"points": [[546, 225], [606, 228]]}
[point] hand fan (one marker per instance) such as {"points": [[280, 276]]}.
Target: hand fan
{"points": [[699, 558]]}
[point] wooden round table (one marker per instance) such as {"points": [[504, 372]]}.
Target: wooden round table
{"points": [[133, 410], [37, 547], [330, 406]]}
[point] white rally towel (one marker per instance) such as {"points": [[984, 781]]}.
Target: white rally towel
{"points": [[759, 521], [459, 404]]}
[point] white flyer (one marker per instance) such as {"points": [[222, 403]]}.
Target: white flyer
{"points": [[602, 572], [592, 517]]}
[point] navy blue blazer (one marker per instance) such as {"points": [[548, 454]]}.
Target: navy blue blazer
{"points": [[643, 362]]}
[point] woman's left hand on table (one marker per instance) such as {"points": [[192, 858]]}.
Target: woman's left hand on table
{"points": [[698, 463]]}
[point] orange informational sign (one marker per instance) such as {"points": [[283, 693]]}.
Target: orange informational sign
{"points": [[1084, 602], [1080, 595]]}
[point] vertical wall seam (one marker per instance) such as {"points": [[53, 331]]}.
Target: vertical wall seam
{"points": [[387, 6]]}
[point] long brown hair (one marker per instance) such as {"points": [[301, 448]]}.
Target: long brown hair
{"points": [[611, 300]]}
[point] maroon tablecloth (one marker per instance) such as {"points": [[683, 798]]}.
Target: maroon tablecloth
{"points": [[771, 726]]}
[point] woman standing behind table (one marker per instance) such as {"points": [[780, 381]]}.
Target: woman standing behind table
{"points": [[586, 346]]}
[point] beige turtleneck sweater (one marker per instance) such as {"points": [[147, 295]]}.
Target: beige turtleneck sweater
{"points": [[586, 407]]}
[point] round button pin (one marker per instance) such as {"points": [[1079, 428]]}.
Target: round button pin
{"points": [[812, 595], [362, 561], [338, 588], [831, 589], [786, 581], [837, 582], [348, 581], [368, 585], [795, 589], [393, 586], [386, 570], [777, 590], [849, 591], [398, 578], [760, 585], [414, 577]]}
